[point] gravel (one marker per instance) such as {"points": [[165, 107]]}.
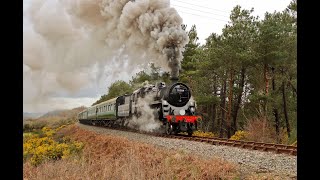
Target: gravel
{"points": [[249, 161]]}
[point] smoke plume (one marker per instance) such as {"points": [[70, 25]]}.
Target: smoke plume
{"points": [[69, 44]]}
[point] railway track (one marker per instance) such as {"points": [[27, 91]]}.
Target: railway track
{"points": [[251, 145], [267, 147]]}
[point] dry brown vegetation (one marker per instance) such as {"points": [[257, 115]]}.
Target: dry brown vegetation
{"points": [[108, 157], [261, 130]]}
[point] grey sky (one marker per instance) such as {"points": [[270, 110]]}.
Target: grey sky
{"points": [[208, 15], [211, 15]]}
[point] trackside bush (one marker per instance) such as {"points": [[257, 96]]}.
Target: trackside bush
{"points": [[239, 135], [40, 147], [203, 134]]}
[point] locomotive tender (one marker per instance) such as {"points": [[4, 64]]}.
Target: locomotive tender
{"points": [[172, 105]]}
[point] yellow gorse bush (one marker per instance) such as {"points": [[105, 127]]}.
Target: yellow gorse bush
{"points": [[38, 149], [48, 131], [239, 135], [203, 134], [60, 127]]}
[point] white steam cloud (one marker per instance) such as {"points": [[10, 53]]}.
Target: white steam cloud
{"points": [[64, 40], [147, 121]]}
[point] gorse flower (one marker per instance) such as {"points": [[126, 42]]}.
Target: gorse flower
{"points": [[239, 135], [37, 149], [203, 134]]}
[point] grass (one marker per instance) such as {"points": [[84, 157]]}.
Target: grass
{"points": [[109, 157]]}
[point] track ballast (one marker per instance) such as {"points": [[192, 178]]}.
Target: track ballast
{"points": [[251, 145]]}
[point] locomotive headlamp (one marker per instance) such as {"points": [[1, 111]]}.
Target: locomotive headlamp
{"points": [[182, 112], [192, 109]]}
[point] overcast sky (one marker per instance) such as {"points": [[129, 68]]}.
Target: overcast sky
{"points": [[209, 16]]}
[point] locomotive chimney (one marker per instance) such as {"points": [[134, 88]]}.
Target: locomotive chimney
{"points": [[174, 79]]}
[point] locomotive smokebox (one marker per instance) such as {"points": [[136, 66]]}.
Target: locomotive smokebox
{"points": [[177, 94]]}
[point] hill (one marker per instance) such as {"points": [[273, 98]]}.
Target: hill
{"points": [[27, 115], [63, 113], [52, 119]]}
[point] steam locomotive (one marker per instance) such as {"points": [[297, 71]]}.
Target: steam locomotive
{"points": [[171, 105]]}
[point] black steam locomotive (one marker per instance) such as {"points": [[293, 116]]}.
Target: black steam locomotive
{"points": [[172, 105]]}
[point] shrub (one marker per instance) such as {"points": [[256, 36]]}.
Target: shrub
{"points": [[203, 134], [40, 147], [239, 135], [260, 130], [38, 124], [27, 128]]}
